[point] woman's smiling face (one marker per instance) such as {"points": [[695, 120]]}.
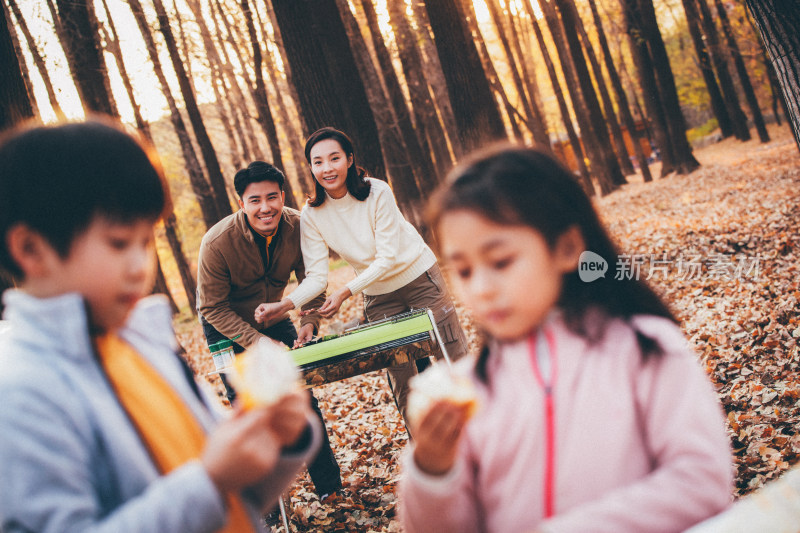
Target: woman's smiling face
{"points": [[329, 165]]}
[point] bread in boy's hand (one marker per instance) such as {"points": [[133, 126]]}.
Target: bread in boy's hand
{"points": [[440, 382], [263, 374]]}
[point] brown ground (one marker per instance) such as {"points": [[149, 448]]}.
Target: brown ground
{"points": [[726, 240]]}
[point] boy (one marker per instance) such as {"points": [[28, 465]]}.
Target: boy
{"points": [[101, 425]]}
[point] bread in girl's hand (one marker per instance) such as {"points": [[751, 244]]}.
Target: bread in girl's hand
{"points": [[440, 382], [264, 374]]}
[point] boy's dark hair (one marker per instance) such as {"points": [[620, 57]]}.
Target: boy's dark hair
{"points": [[523, 186], [56, 179], [357, 186], [256, 172]]}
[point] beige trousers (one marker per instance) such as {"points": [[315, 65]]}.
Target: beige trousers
{"points": [[427, 291]]}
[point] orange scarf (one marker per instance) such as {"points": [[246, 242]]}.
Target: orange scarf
{"points": [[165, 424]]}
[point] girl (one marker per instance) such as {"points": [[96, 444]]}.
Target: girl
{"points": [[595, 414], [357, 217]]}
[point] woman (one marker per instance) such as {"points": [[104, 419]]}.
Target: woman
{"points": [[357, 217]]}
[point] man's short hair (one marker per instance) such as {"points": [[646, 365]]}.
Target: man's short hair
{"points": [[56, 179], [256, 172]]}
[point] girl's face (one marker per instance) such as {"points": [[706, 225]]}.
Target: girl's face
{"points": [[507, 275], [329, 166]]}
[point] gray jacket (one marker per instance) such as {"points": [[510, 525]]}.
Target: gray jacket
{"points": [[69, 458]]}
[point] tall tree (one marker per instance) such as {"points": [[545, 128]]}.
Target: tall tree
{"points": [[779, 24], [85, 55], [213, 169], [395, 155], [717, 51], [329, 87], [706, 69], [18, 50], [658, 85], [741, 71], [605, 165], [475, 110], [111, 38], [622, 97], [197, 180], [421, 162], [428, 125], [566, 118], [265, 117]]}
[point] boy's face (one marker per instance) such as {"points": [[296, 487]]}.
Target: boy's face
{"points": [[262, 202], [111, 264]]}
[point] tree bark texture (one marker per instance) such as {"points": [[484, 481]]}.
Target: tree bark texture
{"points": [[329, 88], [779, 24], [476, 114]]}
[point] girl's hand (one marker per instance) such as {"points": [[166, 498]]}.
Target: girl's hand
{"points": [[437, 436], [266, 312], [242, 450], [334, 302]]}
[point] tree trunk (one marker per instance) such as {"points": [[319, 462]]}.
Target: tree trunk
{"points": [[170, 223], [605, 166], [200, 186], [161, 286], [779, 24], [566, 118], [215, 178], [706, 69], [435, 76], [262, 103], [622, 98], [18, 52], [658, 83], [85, 56], [395, 155], [15, 104], [491, 73], [718, 54], [475, 110], [421, 162], [602, 88], [540, 132], [430, 129], [329, 87], [744, 77]]}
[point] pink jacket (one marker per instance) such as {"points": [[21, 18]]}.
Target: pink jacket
{"points": [[619, 445]]}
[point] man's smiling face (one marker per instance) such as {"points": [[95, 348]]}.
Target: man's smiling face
{"points": [[262, 202]]}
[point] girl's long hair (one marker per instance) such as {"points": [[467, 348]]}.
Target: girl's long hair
{"points": [[515, 185], [357, 186]]}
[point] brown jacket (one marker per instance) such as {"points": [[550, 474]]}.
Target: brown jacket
{"points": [[231, 281]]}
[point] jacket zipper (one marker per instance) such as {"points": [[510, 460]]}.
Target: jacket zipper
{"points": [[544, 366]]}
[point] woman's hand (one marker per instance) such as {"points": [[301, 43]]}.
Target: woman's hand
{"points": [[437, 436], [267, 312], [334, 302], [305, 334]]}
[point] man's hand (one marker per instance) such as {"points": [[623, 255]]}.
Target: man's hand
{"points": [[304, 335], [334, 302], [267, 312]]}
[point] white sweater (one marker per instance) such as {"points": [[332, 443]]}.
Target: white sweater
{"points": [[385, 250]]}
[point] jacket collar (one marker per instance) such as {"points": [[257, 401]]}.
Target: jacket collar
{"points": [[241, 224]]}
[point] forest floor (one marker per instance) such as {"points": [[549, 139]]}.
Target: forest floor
{"points": [[721, 245]]}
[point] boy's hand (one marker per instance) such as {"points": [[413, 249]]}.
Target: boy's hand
{"points": [[289, 417], [437, 436], [241, 450], [334, 302], [266, 312], [305, 334]]}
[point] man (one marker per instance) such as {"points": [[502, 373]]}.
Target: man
{"points": [[246, 259]]}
